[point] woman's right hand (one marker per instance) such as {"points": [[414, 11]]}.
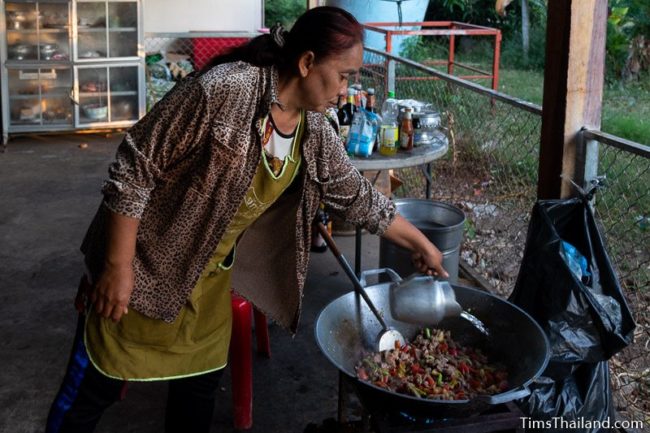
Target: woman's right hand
{"points": [[110, 296]]}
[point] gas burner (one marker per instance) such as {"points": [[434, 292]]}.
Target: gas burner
{"points": [[502, 418], [419, 420], [380, 419]]}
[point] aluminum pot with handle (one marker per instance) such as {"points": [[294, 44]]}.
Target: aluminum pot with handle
{"points": [[422, 300], [346, 330]]}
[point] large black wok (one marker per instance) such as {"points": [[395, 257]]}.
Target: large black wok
{"points": [[346, 330]]}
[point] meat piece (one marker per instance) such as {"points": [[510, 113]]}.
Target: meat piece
{"points": [[434, 366]]}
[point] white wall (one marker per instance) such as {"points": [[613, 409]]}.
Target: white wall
{"points": [[166, 16]]}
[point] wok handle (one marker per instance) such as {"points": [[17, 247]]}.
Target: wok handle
{"points": [[394, 277], [504, 397]]}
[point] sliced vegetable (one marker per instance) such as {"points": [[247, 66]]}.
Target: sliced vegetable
{"points": [[433, 366]]}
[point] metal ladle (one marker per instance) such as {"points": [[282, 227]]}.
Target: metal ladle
{"points": [[387, 337]]}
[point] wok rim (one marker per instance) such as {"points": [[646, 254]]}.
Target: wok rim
{"points": [[479, 398]]}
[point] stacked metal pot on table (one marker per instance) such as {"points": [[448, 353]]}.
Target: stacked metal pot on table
{"points": [[426, 123]]}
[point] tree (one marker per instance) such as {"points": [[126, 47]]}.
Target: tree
{"points": [[283, 11], [501, 5], [525, 29]]}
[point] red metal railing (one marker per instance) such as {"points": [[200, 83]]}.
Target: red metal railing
{"points": [[444, 28]]}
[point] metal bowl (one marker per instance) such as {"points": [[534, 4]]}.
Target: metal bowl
{"points": [[122, 110], [426, 120], [48, 50], [20, 52], [95, 111]]}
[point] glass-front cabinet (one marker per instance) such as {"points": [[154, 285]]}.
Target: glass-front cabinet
{"points": [[70, 64], [38, 31], [40, 96], [107, 94], [107, 29]]}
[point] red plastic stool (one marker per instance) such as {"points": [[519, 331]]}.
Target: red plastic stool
{"points": [[241, 358]]}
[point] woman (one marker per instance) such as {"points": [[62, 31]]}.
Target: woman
{"points": [[242, 147]]}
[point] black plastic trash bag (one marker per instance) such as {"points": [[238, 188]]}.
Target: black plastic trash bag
{"points": [[571, 398], [567, 283], [586, 321]]}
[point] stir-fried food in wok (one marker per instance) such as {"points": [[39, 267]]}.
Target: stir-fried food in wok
{"points": [[433, 366]]}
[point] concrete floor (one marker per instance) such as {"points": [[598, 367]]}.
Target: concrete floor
{"points": [[49, 190]]}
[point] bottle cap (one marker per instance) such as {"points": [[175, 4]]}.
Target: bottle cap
{"points": [[391, 94]]}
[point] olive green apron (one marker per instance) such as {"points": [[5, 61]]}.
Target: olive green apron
{"points": [[141, 349]]}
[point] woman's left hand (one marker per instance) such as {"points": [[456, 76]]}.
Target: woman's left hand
{"points": [[426, 257], [429, 263]]}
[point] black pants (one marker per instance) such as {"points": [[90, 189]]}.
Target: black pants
{"points": [[86, 393]]}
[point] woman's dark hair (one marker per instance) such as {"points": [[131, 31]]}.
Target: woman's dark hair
{"points": [[324, 30]]}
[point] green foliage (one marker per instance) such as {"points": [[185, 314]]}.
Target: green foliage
{"points": [[469, 228], [481, 12], [627, 19], [639, 13], [283, 11], [626, 110], [526, 85], [632, 128], [512, 54], [626, 105], [537, 12], [619, 27], [423, 48]]}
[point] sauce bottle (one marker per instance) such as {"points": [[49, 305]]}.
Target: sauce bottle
{"points": [[345, 115], [406, 131]]}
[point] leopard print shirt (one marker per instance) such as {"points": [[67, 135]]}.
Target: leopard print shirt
{"points": [[183, 170]]}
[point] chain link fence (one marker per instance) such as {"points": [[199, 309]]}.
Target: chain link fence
{"points": [[623, 210], [490, 172]]}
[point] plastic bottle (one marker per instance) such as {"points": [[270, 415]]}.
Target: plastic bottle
{"points": [[376, 119], [363, 133], [388, 134], [576, 261], [389, 109]]}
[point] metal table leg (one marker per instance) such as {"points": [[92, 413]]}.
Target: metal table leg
{"points": [[358, 232], [426, 170]]}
